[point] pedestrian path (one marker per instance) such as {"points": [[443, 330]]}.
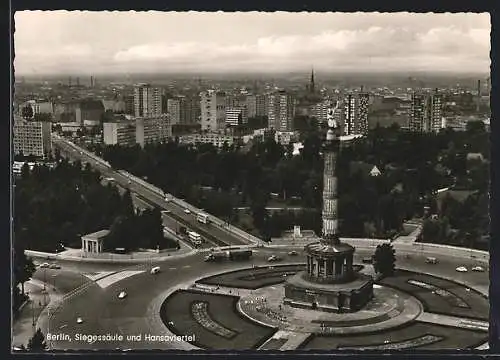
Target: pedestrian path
{"points": [[26, 323], [294, 339], [453, 321], [114, 278]]}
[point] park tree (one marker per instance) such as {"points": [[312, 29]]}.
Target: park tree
{"points": [[27, 112], [384, 259], [23, 267], [37, 342]]}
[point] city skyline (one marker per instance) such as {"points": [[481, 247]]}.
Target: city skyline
{"points": [[55, 42]]}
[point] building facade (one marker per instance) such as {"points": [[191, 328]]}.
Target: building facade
{"points": [[281, 111], [153, 130], [356, 114], [89, 110], [217, 140], [183, 110], [32, 138], [426, 112], [236, 116], [213, 110], [119, 133], [147, 101]]}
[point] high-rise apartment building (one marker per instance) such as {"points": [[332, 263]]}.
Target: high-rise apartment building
{"points": [[213, 110], [236, 116], [435, 112], [147, 100], [356, 114], [183, 110], [251, 103], [32, 137], [281, 111], [426, 112], [418, 110]]}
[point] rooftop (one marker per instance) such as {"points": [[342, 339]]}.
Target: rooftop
{"points": [[97, 235]]}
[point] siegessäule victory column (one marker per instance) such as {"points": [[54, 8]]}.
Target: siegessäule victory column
{"points": [[329, 282]]}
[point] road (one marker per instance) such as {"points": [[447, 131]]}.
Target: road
{"points": [[134, 314], [214, 234]]}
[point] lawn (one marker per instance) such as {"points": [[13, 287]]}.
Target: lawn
{"points": [[478, 305], [253, 278], [222, 312], [415, 334]]}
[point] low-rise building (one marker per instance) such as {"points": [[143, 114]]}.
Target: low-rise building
{"points": [[215, 139], [119, 133]]}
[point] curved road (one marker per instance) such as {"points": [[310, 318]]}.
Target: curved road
{"points": [[104, 313]]}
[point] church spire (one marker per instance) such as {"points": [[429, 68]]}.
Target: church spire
{"points": [[311, 85]]}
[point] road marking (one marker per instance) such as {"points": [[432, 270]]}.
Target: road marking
{"points": [[172, 268], [113, 278], [186, 266], [99, 275], [63, 326]]}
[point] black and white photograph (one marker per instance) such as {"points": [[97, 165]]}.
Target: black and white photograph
{"points": [[285, 181]]}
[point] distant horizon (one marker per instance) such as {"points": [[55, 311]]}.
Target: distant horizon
{"points": [[65, 42], [254, 73]]}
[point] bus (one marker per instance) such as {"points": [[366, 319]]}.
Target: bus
{"points": [[203, 218], [194, 237]]}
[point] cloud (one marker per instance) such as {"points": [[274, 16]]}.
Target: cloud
{"points": [[142, 42], [440, 48]]}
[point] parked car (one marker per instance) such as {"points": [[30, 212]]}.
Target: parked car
{"points": [[44, 265], [478, 269], [293, 253], [461, 269], [54, 266], [187, 211], [122, 295], [166, 212]]}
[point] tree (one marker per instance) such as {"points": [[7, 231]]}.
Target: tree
{"points": [[384, 259], [27, 112], [23, 266], [37, 342]]}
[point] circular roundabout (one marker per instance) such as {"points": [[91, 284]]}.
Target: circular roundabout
{"points": [[244, 309]]}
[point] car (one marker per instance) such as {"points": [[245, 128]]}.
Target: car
{"points": [[54, 266], [122, 295], [478, 269], [431, 260], [461, 269], [293, 253], [44, 265], [273, 258], [187, 211], [166, 212], [167, 199], [155, 270], [79, 320], [130, 182]]}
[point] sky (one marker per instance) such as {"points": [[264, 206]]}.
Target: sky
{"points": [[63, 42]]}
